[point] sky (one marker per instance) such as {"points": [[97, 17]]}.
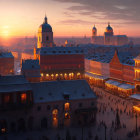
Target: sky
{"points": [[69, 17]]}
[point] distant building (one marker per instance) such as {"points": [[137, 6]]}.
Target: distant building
{"points": [[31, 70], [61, 63], [113, 71], [137, 73], [6, 63], [109, 38], [29, 106], [45, 35]]}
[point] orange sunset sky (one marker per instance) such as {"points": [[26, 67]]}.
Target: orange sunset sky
{"points": [[69, 17]]}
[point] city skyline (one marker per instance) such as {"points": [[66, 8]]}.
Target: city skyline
{"points": [[68, 18]]}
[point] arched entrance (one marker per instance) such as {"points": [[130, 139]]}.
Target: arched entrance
{"points": [[13, 127], [55, 118], [21, 125], [67, 119], [3, 126], [138, 87], [30, 123], [44, 123]]}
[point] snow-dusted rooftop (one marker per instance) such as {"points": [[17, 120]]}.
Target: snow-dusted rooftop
{"points": [[96, 76], [13, 84], [60, 50], [120, 85], [55, 91], [112, 82], [6, 54], [135, 96], [125, 58], [126, 86], [30, 64]]}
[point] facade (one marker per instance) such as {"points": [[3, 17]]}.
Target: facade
{"points": [[6, 63], [31, 70], [45, 35], [109, 38], [61, 63], [68, 104], [137, 73], [114, 72]]}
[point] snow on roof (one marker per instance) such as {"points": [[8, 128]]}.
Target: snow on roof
{"points": [[12, 79], [60, 50], [55, 90], [125, 58], [96, 76], [112, 82], [126, 86], [135, 96], [30, 64], [6, 54], [14, 88], [13, 84]]}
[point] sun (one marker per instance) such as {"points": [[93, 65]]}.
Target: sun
{"points": [[5, 31]]}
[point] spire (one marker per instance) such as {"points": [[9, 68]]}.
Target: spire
{"points": [[45, 19], [108, 24]]}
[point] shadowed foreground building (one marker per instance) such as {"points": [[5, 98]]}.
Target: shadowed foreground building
{"points": [[26, 106]]}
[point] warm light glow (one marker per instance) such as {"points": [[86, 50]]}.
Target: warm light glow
{"points": [[23, 97], [67, 106], [6, 99]]}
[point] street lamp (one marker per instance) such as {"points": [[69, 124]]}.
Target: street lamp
{"points": [[136, 124]]}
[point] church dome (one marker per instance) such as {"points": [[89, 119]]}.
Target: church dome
{"points": [[45, 27], [109, 28], [94, 28]]}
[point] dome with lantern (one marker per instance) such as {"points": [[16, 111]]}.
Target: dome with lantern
{"points": [[45, 27], [109, 29]]}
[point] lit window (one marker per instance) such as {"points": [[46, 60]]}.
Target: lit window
{"points": [[67, 115], [6, 99], [67, 106], [23, 97], [41, 74]]}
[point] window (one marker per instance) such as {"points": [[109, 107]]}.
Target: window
{"points": [[39, 108], [6, 99], [80, 104], [47, 38], [48, 107], [67, 106], [92, 103], [23, 97]]}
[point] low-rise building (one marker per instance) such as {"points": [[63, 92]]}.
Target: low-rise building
{"points": [[6, 63], [31, 70]]}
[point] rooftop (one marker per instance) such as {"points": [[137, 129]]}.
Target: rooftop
{"points": [[6, 54], [30, 64], [76, 89], [60, 50]]}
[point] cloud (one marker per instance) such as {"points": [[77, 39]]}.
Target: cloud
{"points": [[125, 10]]}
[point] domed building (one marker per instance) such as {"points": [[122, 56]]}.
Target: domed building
{"points": [[109, 38], [109, 30], [45, 35], [94, 31], [108, 35]]}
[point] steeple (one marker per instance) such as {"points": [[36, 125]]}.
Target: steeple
{"points": [[45, 19]]}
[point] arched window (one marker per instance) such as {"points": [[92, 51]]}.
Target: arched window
{"points": [[67, 106], [44, 123], [55, 118], [47, 38]]}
